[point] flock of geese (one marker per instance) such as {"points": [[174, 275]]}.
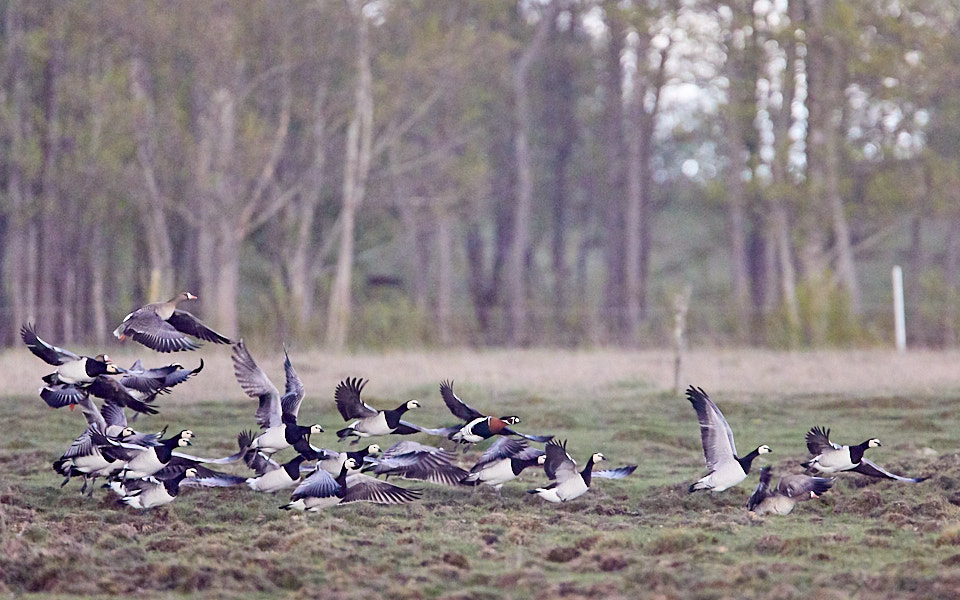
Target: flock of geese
{"points": [[147, 470]]}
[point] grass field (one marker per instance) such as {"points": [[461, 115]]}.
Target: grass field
{"points": [[643, 536]]}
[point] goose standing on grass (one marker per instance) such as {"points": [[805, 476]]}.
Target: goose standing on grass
{"points": [[791, 489], [829, 457], [276, 415], [323, 490], [479, 427], [569, 483], [727, 469], [164, 327], [503, 461], [370, 421]]}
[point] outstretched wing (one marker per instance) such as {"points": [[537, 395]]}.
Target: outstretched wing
{"points": [[362, 488], [293, 394], [800, 486], [715, 433], [412, 460], [49, 353], [189, 324], [868, 467], [458, 407], [542, 439], [348, 399], [146, 327], [818, 440], [618, 473], [506, 447], [256, 384], [319, 485], [110, 389]]}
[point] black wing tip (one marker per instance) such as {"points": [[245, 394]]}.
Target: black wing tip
{"points": [[696, 394]]}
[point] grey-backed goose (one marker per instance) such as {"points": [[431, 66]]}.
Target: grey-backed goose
{"points": [[829, 457], [323, 490], [570, 483], [165, 328], [727, 469], [369, 421], [791, 489], [145, 384], [477, 426], [503, 461], [413, 460], [103, 386]]}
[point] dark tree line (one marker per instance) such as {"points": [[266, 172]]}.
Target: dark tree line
{"points": [[486, 172]]}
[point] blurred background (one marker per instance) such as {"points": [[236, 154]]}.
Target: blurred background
{"points": [[417, 173]]}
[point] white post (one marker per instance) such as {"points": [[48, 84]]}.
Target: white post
{"points": [[899, 320]]}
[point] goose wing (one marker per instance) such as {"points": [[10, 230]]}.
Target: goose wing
{"points": [[49, 353], [412, 460], [318, 485], [559, 465], [256, 384], [458, 407], [542, 439], [363, 488], [762, 490], [110, 389], [818, 440], [348, 400], [185, 322], [715, 432], [618, 473], [872, 469], [157, 379], [293, 394], [799, 486], [205, 477], [62, 394], [506, 447], [408, 428], [113, 414], [146, 327]]}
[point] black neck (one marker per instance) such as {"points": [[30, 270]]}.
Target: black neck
{"points": [[94, 367], [292, 467], [165, 449], [587, 472], [173, 484], [856, 452], [401, 409], [747, 460]]}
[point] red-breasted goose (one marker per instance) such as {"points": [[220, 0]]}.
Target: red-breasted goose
{"points": [[479, 426], [727, 469], [829, 457], [503, 461], [370, 421], [323, 490], [413, 460], [570, 483], [791, 489], [164, 327]]}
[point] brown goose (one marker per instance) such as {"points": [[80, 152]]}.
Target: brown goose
{"points": [[163, 327]]}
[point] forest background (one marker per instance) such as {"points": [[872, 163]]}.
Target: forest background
{"points": [[483, 172]]}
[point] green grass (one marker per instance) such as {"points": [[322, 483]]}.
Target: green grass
{"points": [[643, 536]]}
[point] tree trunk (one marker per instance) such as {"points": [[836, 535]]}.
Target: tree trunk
{"points": [[612, 189], [444, 240], [517, 275], [951, 277], [356, 168]]}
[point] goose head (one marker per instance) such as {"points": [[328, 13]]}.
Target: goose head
{"points": [[764, 449], [412, 404], [510, 419], [316, 428], [873, 443], [597, 457], [542, 459], [350, 463], [191, 472], [373, 449]]}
